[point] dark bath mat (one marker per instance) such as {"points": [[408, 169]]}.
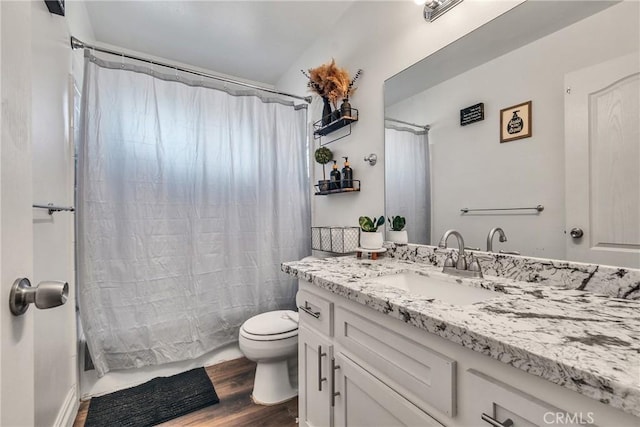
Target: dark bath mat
{"points": [[154, 402]]}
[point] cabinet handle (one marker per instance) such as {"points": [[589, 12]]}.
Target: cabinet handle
{"points": [[334, 393], [320, 377], [309, 311], [496, 423]]}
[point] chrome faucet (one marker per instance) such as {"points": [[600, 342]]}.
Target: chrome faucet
{"points": [[461, 264], [502, 238], [461, 268]]}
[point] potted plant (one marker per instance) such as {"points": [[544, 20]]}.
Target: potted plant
{"points": [[397, 234], [323, 156], [370, 237]]}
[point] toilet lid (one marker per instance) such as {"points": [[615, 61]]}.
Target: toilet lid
{"points": [[272, 323]]}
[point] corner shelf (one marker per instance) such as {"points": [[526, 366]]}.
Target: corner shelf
{"points": [[319, 130], [356, 188]]}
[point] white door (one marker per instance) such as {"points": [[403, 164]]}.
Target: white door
{"points": [[16, 239], [602, 141]]}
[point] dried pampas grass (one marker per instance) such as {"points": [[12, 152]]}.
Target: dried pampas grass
{"points": [[331, 82]]}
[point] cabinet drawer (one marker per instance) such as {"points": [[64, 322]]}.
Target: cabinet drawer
{"points": [[315, 312], [425, 377], [496, 400]]}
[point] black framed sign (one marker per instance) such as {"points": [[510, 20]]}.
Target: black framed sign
{"points": [[472, 114]]}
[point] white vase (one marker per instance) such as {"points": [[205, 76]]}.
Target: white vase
{"points": [[371, 239], [398, 237]]}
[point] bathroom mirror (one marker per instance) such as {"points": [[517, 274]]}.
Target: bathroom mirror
{"points": [[435, 167]]}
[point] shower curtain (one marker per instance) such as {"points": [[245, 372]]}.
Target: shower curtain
{"points": [[189, 198], [407, 180]]}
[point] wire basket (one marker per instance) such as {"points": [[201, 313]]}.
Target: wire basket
{"points": [[341, 240]]}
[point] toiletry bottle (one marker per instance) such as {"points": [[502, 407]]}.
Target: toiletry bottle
{"points": [[334, 177], [347, 174]]}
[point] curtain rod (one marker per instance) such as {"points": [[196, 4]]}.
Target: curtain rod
{"points": [[78, 44], [425, 127]]}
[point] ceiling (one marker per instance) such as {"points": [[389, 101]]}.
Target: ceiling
{"points": [[253, 40]]}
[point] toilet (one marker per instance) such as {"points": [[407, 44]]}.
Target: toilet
{"points": [[270, 339]]}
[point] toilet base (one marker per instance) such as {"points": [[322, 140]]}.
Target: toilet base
{"points": [[271, 385]]}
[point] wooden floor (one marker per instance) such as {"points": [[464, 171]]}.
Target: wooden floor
{"points": [[233, 381]]}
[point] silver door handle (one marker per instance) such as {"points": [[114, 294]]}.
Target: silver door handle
{"points": [[320, 377], [495, 423], [47, 294], [334, 393], [576, 233], [309, 311]]}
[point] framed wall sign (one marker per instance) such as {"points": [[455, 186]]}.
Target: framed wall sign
{"points": [[472, 114], [515, 122]]}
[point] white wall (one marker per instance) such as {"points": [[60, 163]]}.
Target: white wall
{"points": [[55, 362], [470, 168], [382, 42]]}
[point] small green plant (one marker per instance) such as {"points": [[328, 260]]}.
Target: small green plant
{"points": [[397, 223], [370, 225], [323, 156]]}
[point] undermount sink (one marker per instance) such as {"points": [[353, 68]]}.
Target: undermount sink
{"points": [[445, 288]]}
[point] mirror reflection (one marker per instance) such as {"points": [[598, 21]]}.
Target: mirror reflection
{"points": [[578, 156]]}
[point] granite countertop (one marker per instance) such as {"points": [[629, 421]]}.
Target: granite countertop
{"points": [[586, 342]]}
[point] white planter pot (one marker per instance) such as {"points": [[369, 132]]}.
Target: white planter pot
{"points": [[371, 240], [398, 237]]}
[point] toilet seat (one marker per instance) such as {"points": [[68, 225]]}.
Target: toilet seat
{"points": [[271, 326]]}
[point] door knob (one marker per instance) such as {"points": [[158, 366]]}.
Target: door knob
{"points": [[576, 233], [46, 295]]}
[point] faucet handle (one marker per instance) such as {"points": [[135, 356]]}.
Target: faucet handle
{"points": [[448, 262], [474, 266], [461, 264]]}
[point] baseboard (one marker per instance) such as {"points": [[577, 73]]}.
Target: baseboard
{"points": [[69, 409]]}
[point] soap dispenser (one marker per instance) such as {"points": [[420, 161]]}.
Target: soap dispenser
{"points": [[347, 174], [334, 177]]}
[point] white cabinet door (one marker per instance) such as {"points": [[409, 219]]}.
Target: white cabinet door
{"points": [[314, 380], [602, 156], [365, 401]]}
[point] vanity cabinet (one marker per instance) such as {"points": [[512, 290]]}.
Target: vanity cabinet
{"points": [[356, 373], [361, 367]]}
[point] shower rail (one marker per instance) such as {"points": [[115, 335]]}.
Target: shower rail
{"points": [[78, 44], [425, 127]]}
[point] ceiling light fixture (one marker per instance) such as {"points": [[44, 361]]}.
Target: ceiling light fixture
{"points": [[435, 8]]}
